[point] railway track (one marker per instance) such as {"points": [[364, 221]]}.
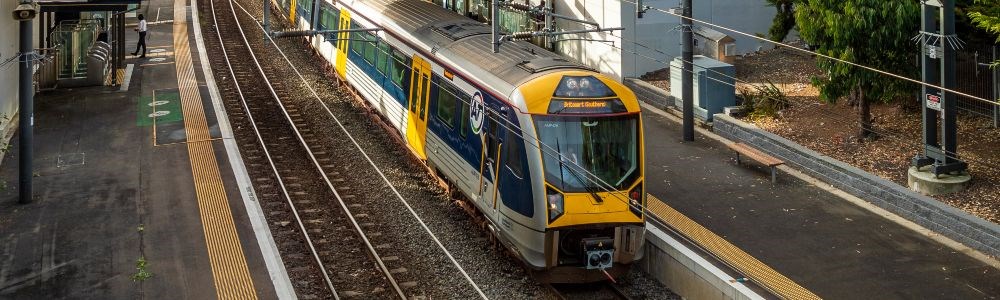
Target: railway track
{"points": [[317, 216], [323, 203]]}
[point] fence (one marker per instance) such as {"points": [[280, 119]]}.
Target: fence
{"points": [[974, 76]]}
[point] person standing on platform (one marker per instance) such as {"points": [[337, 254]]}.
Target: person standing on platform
{"points": [[142, 37]]}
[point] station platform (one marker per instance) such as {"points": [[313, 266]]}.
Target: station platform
{"points": [[136, 193], [801, 228]]}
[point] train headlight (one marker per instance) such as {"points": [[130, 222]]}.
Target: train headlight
{"points": [[635, 200], [555, 204]]}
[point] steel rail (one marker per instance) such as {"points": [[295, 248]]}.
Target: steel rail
{"points": [[312, 157], [370, 161], [267, 154]]}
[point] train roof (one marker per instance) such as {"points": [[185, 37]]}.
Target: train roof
{"points": [[458, 37]]}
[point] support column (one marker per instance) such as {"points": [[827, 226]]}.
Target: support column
{"points": [[113, 40], [267, 18], [121, 40], [929, 63], [938, 44], [687, 75], [949, 130], [495, 35], [26, 112]]}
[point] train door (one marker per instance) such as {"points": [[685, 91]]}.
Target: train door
{"points": [[342, 39], [490, 165], [420, 91], [291, 12]]}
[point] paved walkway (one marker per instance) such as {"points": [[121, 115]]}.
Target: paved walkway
{"points": [[830, 246], [124, 176]]}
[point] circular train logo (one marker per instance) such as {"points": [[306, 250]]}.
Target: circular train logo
{"points": [[477, 113]]}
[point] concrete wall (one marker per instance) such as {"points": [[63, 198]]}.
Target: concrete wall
{"points": [[656, 31], [930, 213], [685, 272], [9, 44]]}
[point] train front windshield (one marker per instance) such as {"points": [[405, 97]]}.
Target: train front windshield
{"points": [[589, 154]]}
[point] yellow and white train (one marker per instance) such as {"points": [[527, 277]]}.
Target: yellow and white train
{"points": [[550, 151]]}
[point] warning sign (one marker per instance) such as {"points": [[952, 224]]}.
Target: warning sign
{"points": [[933, 102]]}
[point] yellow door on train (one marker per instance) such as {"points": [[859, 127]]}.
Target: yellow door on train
{"points": [[291, 12], [420, 91], [342, 39]]}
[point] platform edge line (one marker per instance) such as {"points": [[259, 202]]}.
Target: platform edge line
{"points": [[269, 250]]}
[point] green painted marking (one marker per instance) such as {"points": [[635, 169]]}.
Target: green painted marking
{"points": [[167, 110]]}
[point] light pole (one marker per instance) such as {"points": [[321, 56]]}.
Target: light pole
{"points": [[25, 12]]}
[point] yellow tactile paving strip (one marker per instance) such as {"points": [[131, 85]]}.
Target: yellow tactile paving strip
{"points": [[731, 255], [229, 266]]}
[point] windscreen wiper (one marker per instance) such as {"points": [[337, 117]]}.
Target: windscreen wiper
{"points": [[586, 186]]}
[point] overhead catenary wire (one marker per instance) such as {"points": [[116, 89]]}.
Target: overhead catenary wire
{"points": [[753, 36], [515, 129], [653, 217], [507, 124], [531, 140], [550, 150], [949, 154]]}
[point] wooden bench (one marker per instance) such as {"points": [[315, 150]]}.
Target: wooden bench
{"points": [[768, 160]]}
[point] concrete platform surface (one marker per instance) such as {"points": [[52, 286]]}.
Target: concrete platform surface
{"points": [[114, 186], [825, 243]]}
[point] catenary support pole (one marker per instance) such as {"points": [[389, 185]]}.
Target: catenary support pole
{"points": [[26, 116], [549, 23], [687, 76], [267, 18], [931, 67], [494, 25], [949, 129]]}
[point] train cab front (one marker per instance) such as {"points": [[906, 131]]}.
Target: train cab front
{"points": [[591, 147]]}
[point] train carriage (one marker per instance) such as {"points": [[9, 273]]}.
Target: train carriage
{"points": [[551, 152]]}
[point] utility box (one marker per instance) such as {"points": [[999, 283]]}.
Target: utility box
{"points": [[714, 44], [714, 85]]}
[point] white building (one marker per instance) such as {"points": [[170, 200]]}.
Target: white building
{"points": [[651, 42], [617, 53]]}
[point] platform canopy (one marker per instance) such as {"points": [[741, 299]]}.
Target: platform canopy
{"points": [[85, 5]]}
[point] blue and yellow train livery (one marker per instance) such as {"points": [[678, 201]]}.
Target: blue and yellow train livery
{"points": [[549, 151]]}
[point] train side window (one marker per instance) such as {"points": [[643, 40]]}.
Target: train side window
{"points": [[306, 6], [514, 145], [370, 47], [327, 17], [464, 131], [446, 101], [423, 96], [356, 46], [400, 69], [383, 56]]}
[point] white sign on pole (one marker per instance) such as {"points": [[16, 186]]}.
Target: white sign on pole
{"points": [[933, 102]]}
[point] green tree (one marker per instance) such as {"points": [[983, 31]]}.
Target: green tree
{"points": [[985, 14], [874, 33], [783, 21]]}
